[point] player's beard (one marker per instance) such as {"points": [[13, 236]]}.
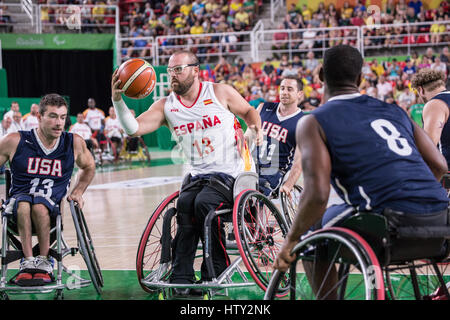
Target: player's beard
{"points": [[180, 88]]}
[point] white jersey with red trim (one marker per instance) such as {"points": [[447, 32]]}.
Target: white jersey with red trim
{"points": [[29, 122], [81, 129], [208, 133], [94, 117], [113, 127]]}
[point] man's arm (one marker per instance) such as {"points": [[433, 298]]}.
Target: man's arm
{"points": [[86, 163], [233, 100], [435, 116], [8, 146], [250, 134], [430, 153], [294, 173], [316, 164]]}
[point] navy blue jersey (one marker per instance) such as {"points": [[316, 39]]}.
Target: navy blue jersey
{"points": [[375, 162], [277, 151], [40, 172], [445, 135]]}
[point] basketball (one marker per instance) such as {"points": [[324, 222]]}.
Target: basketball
{"points": [[138, 78]]}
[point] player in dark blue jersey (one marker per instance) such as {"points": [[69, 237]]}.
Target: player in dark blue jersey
{"points": [[41, 162], [373, 154], [430, 84], [278, 154]]}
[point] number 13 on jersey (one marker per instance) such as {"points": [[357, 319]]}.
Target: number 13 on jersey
{"points": [[203, 146]]}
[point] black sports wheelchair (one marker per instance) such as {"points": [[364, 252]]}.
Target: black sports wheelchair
{"points": [[255, 228], [11, 251], [370, 257]]}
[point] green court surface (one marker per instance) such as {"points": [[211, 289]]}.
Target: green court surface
{"points": [[124, 285]]}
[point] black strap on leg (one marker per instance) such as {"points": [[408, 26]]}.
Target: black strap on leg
{"points": [[166, 238]]}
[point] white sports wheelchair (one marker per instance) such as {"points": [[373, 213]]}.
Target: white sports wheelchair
{"points": [[255, 232], [58, 250]]}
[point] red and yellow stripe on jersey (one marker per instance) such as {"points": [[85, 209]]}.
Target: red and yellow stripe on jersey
{"points": [[241, 145]]}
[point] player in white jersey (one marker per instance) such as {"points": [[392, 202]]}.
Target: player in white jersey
{"points": [[114, 132], [30, 120], [202, 118], [83, 130]]}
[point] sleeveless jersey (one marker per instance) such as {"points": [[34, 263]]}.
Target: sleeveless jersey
{"points": [[41, 172], [277, 151], [82, 129], [208, 133], [444, 143], [375, 162]]}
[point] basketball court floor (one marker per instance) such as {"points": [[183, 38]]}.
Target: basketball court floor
{"points": [[118, 205]]}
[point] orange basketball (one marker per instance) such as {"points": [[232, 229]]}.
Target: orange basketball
{"points": [[138, 78]]}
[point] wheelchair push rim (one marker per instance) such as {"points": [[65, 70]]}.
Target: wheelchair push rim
{"points": [[259, 231], [355, 259], [149, 252]]}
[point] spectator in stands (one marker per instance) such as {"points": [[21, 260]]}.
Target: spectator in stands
{"points": [[13, 108], [198, 8], [222, 69], [358, 19], [346, 14], [437, 29], [383, 87], [430, 54], [243, 17], [438, 65], [407, 97], [445, 56], [30, 120], [425, 63], [289, 71], [311, 63], [279, 40], [309, 36], [306, 13], [409, 69], [297, 62], [359, 7], [234, 7], [416, 5], [186, 7], [367, 72], [229, 41], [377, 68], [400, 8]]}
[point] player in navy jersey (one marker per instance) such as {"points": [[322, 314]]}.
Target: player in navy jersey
{"points": [[278, 153], [430, 84], [41, 162], [375, 157]]}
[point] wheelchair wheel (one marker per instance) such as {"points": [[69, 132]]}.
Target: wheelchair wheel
{"points": [[419, 280], [153, 261], [342, 254], [259, 229], [86, 247], [289, 205]]}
